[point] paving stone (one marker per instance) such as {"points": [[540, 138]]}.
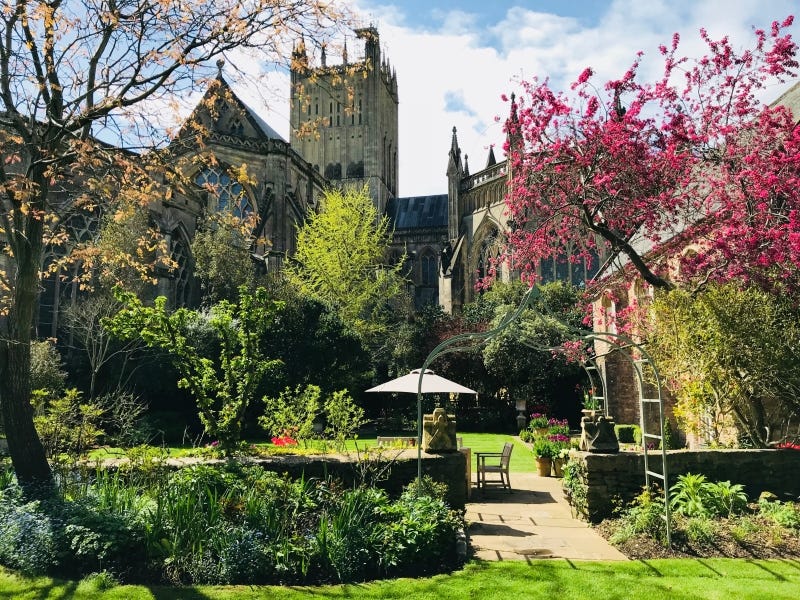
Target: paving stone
{"points": [[534, 521]]}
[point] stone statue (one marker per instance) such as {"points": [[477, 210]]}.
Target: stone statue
{"points": [[439, 432]]}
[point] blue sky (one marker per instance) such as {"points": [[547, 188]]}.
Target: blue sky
{"points": [[454, 60]]}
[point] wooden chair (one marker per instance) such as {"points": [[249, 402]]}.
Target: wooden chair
{"points": [[501, 467]]}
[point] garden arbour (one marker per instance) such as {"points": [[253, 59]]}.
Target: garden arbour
{"points": [[589, 348]]}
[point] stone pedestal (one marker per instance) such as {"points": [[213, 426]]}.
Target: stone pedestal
{"points": [[597, 434], [439, 432]]}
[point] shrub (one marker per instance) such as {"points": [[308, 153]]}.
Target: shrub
{"points": [[68, 425], [27, 541], [575, 486], [645, 515], [700, 529], [292, 413], [419, 537], [628, 434], [344, 417], [783, 514], [46, 369], [693, 496]]}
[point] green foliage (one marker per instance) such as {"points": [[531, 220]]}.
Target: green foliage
{"points": [[221, 252], [340, 260], [427, 487], [700, 529], [515, 357], [644, 515], [68, 425], [784, 514], [292, 413], [575, 486], [694, 496], [727, 355], [227, 524], [628, 434], [223, 389], [27, 540], [544, 448], [670, 441], [46, 369], [343, 418], [314, 345]]}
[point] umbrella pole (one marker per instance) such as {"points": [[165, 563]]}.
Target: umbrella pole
{"points": [[419, 437]]}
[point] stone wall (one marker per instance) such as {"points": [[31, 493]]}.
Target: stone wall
{"points": [[613, 477]]}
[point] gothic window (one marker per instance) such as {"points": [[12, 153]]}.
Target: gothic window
{"points": [[181, 256], [333, 171], [429, 269], [489, 252], [226, 193], [236, 127]]}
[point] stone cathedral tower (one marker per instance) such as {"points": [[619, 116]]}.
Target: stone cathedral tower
{"points": [[352, 108]]}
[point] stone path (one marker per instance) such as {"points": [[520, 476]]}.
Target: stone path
{"points": [[534, 521]]}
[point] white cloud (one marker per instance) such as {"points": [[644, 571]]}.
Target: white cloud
{"points": [[453, 69], [456, 61]]}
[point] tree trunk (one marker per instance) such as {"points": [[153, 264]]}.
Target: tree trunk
{"points": [[26, 450]]}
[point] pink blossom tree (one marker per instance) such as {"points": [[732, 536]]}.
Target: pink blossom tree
{"points": [[632, 168]]}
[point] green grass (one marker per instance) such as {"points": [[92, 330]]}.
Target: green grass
{"points": [[673, 579], [521, 458]]}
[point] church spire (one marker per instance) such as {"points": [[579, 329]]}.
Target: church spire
{"points": [[491, 161]]}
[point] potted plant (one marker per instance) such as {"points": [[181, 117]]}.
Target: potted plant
{"points": [[539, 424], [544, 450], [590, 404], [559, 461]]}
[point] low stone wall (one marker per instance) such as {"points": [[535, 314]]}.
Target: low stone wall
{"points": [[614, 477], [397, 469]]}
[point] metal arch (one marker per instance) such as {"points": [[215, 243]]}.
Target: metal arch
{"points": [[616, 342]]}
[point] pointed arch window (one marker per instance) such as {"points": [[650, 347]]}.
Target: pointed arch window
{"points": [[181, 255], [429, 268], [226, 192]]}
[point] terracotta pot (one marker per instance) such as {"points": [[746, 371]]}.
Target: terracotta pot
{"points": [[543, 466], [540, 432]]}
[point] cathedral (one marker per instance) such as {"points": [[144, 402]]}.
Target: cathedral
{"points": [[344, 131]]}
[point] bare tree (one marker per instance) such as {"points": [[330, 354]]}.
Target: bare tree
{"points": [[76, 71]]}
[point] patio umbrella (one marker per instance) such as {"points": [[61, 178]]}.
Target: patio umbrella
{"points": [[431, 384], [420, 383]]}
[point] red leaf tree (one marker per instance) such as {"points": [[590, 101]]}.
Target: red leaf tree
{"points": [[625, 170]]}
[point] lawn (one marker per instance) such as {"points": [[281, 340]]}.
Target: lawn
{"points": [[521, 458], [673, 579]]}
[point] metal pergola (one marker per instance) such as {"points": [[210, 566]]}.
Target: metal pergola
{"points": [[647, 379]]}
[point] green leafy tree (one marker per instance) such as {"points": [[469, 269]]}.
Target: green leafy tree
{"points": [[223, 388], [221, 252], [344, 417], [341, 260], [315, 346], [292, 412], [529, 373], [729, 356]]}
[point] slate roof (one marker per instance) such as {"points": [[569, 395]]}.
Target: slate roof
{"points": [[268, 131], [418, 212]]}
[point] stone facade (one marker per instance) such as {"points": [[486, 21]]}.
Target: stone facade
{"points": [[354, 109]]}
